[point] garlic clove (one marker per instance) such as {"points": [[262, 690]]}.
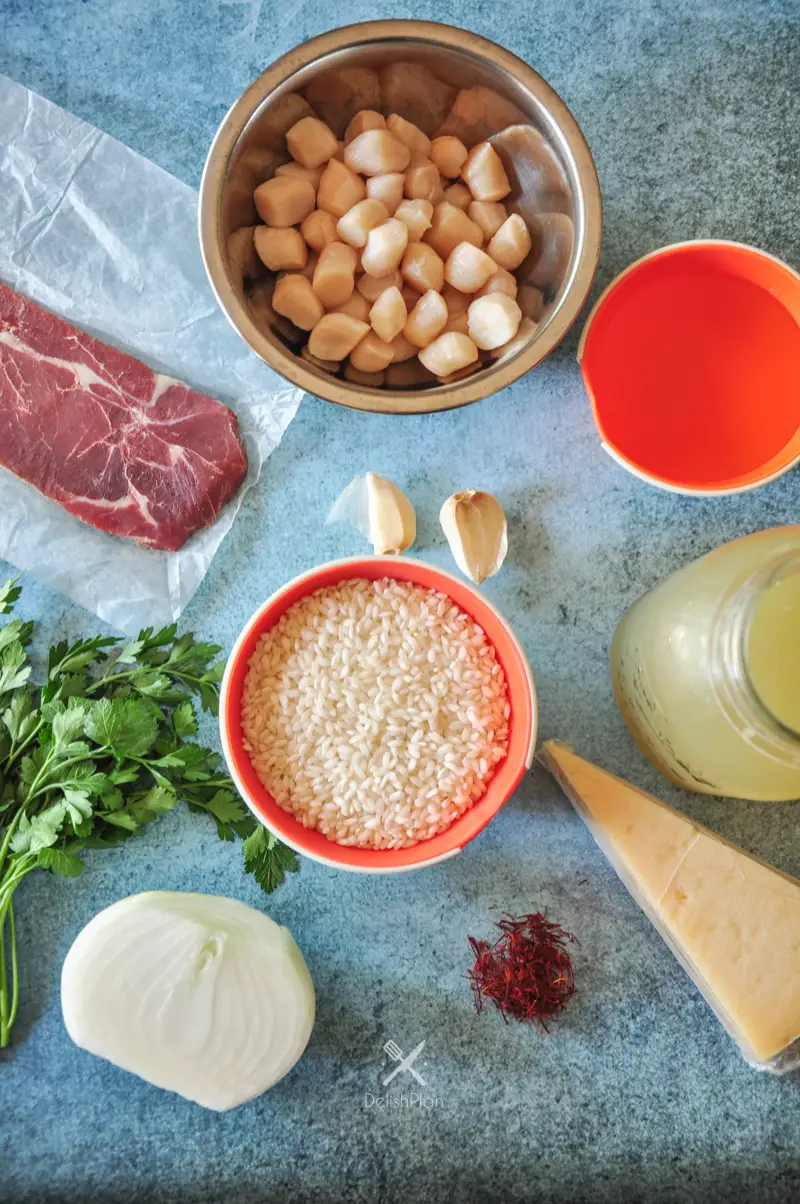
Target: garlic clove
{"points": [[392, 521], [476, 530], [379, 510]]}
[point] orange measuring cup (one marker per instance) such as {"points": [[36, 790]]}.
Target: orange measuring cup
{"points": [[691, 358]]}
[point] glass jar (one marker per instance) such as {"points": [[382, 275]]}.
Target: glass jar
{"points": [[706, 670]]}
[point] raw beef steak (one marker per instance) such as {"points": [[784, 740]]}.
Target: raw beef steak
{"points": [[130, 451]]}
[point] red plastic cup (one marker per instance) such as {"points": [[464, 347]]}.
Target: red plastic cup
{"points": [[691, 358], [506, 778]]}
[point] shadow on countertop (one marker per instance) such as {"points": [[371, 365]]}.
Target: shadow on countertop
{"points": [[464, 1185]]}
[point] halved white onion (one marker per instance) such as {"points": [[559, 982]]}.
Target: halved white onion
{"points": [[197, 994]]}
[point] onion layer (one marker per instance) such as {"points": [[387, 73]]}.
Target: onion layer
{"points": [[197, 994]]}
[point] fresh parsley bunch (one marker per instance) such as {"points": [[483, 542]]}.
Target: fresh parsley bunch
{"points": [[99, 751]]}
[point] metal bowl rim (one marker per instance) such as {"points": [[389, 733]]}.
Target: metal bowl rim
{"points": [[292, 367]]}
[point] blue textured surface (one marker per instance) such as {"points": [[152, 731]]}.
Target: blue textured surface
{"points": [[691, 110]]}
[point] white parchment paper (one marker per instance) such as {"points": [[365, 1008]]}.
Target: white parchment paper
{"points": [[108, 241]]}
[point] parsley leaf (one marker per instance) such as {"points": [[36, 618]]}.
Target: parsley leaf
{"points": [[267, 859], [77, 803], [14, 667], [122, 819], [184, 720], [39, 832], [60, 862], [159, 800], [226, 807], [67, 725], [9, 594], [15, 632], [65, 658], [126, 725], [20, 716]]}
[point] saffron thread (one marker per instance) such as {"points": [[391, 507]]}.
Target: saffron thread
{"points": [[527, 973]]}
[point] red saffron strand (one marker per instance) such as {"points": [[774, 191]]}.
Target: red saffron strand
{"points": [[527, 973]]}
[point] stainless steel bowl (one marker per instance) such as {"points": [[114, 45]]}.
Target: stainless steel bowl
{"points": [[443, 79]]}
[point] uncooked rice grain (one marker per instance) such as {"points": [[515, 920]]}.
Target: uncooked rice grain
{"points": [[375, 712]]}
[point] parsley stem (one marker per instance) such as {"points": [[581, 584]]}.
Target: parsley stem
{"points": [[14, 967], [16, 872], [7, 839], [39, 787], [5, 1010], [16, 751], [42, 772], [8, 1006], [108, 678], [137, 670]]}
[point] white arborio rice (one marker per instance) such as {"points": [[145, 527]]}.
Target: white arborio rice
{"points": [[376, 712]]}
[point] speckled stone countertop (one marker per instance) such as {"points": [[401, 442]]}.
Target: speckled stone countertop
{"points": [[691, 109]]}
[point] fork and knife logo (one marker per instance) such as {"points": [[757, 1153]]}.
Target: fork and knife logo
{"points": [[405, 1063]]}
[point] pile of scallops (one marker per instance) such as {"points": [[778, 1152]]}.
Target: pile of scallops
{"points": [[394, 252]]}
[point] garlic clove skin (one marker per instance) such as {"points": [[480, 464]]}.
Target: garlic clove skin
{"points": [[476, 530], [377, 508]]}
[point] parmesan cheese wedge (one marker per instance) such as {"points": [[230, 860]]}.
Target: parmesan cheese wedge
{"points": [[731, 920]]}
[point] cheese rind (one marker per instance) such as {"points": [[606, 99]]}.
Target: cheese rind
{"points": [[733, 921]]}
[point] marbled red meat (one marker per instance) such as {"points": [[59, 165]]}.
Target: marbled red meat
{"points": [[124, 448]]}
